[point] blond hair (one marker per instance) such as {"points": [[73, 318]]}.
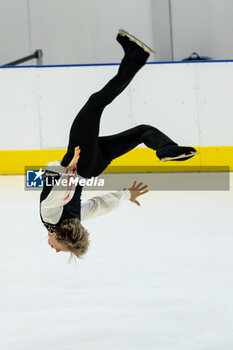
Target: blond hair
{"points": [[74, 236]]}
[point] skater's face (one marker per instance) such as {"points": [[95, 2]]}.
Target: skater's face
{"points": [[52, 241]]}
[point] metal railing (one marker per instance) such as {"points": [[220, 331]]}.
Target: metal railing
{"points": [[38, 55]]}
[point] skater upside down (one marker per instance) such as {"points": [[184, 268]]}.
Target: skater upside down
{"points": [[88, 155]]}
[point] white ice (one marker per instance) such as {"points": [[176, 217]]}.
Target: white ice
{"points": [[159, 276]]}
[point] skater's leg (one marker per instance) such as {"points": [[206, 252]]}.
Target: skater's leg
{"points": [[85, 128], [116, 145], [115, 86], [84, 133], [135, 57]]}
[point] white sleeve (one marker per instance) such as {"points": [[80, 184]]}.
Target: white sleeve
{"points": [[60, 195], [101, 205]]}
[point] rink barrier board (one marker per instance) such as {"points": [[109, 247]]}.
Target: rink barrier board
{"points": [[196, 96], [13, 162]]}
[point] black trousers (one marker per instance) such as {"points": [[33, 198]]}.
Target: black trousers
{"points": [[98, 152]]}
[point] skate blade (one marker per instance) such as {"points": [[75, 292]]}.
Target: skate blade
{"points": [[133, 38], [182, 156]]}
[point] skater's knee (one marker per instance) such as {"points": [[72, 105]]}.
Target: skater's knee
{"points": [[96, 102], [94, 99], [145, 127]]}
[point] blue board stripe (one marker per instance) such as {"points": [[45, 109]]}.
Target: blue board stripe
{"points": [[113, 64]]}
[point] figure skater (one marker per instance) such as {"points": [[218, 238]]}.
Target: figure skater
{"points": [[88, 155]]}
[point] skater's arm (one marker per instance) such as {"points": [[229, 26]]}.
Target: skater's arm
{"points": [[101, 205]]}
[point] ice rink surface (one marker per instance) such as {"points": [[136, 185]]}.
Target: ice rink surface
{"points": [[156, 277]]}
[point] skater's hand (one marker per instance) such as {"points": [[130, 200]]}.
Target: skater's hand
{"points": [[73, 164], [137, 190]]}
